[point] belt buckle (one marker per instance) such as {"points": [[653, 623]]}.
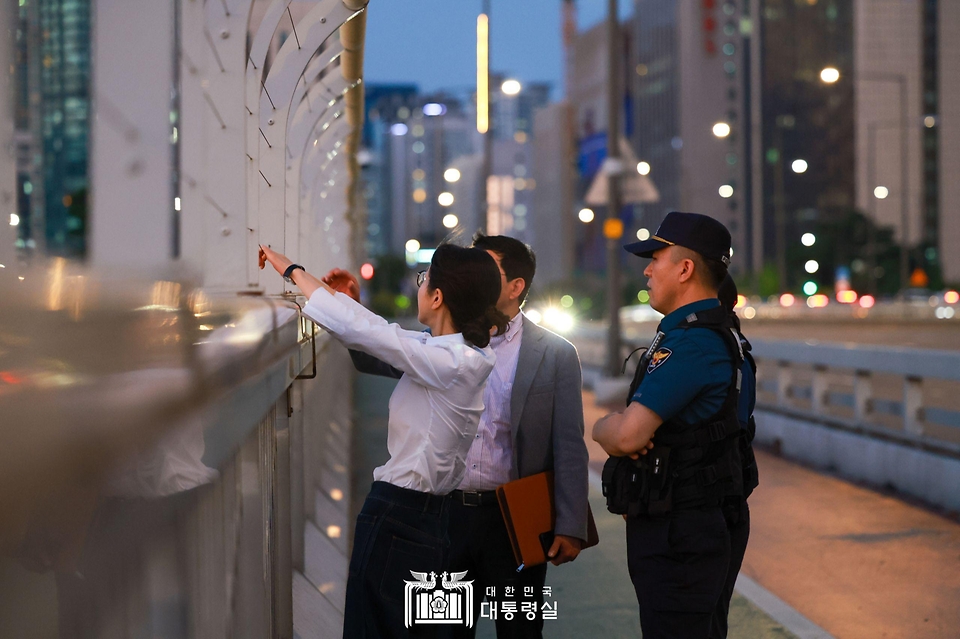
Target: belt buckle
{"points": [[470, 497]]}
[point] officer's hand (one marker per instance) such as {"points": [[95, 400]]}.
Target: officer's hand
{"points": [[643, 451], [564, 549]]}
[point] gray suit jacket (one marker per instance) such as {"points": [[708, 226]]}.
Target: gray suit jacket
{"points": [[546, 412]]}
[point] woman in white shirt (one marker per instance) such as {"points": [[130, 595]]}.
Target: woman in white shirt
{"points": [[434, 413]]}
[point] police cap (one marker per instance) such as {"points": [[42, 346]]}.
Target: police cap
{"points": [[700, 233]]}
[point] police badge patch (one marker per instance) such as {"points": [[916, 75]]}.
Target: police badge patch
{"points": [[659, 357]]}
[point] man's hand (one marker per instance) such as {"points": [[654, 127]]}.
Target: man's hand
{"points": [[564, 549], [343, 282]]}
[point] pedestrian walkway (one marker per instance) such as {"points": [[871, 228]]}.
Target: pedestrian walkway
{"points": [[854, 561]]}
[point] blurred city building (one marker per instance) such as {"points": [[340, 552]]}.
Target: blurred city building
{"points": [[782, 118], [52, 124], [423, 165], [690, 73], [838, 84]]}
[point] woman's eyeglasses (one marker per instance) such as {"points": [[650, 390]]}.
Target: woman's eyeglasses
{"points": [[421, 278]]}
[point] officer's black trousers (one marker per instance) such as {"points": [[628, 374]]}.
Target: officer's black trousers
{"points": [[737, 514], [678, 564]]}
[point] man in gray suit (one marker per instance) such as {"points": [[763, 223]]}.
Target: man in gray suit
{"points": [[532, 422]]}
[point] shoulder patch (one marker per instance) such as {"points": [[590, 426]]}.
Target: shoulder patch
{"points": [[659, 357]]}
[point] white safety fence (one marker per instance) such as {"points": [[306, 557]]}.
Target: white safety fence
{"points": [[888, 416], [174, 435]]}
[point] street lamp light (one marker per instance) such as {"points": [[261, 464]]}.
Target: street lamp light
{"points": [[830, 75], [799, 166], [643, 168], [451, 175], [511, 87], [721, 129], [881, 192], [586, 215]]}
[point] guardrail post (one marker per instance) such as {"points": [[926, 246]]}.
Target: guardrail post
{"points": [[818, 390], [913, 405], [784, 377], [297, 518], [862, 394], [282, 538]]}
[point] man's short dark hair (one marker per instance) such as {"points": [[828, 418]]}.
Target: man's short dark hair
{"points": [[516, 258], [711, 272]]}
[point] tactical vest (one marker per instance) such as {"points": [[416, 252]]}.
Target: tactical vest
{"points": [[751, 474], [690, 465]]}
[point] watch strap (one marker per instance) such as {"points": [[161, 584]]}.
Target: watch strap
{"points": [[290, 269]]}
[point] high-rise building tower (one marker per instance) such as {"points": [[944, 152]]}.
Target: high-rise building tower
{"points": [[53, 125], [690, 72]]}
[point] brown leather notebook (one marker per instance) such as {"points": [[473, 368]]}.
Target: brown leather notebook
{"points": [[528, 510]]}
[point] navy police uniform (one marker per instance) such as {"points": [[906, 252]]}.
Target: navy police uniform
{"points": [[678, 537], [678, 560]]}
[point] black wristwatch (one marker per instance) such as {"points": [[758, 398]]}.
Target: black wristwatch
{"points": [[290, 269]]}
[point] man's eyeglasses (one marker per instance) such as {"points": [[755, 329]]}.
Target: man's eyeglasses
{"points": [[421, 278]]}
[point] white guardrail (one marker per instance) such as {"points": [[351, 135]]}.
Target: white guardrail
{"points": [[837, 383]]}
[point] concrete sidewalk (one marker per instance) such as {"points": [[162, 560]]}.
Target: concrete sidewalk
{"points": [[856, 562]]}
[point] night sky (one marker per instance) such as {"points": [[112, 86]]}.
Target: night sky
{"points": [[432, 43]]}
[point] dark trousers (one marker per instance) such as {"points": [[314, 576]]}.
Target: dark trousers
{"points": [[678, 564], [737, 514], [480, 545], [398, 531]]}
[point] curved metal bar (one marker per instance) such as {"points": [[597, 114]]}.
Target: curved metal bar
{"points": [[305, 123], [304, 96], [285, 74]]}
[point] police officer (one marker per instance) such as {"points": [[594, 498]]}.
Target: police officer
{"points": [[677, 440]]}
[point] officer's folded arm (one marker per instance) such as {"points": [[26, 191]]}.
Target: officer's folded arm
{"points": [[629, 433]]}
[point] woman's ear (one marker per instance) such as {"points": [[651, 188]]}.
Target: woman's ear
{"points": [[437, 300]]}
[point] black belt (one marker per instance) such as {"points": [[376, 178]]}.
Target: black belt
{"points": [[475, 498]]}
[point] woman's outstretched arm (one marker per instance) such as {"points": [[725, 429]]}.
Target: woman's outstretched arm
{"points": [[304, 281]]}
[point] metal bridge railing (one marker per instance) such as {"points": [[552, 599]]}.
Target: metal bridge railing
{"points": [[911, 396], [168, 459]]}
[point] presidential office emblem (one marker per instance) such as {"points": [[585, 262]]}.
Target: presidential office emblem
{"points": [[426, 602], [658, 358]]}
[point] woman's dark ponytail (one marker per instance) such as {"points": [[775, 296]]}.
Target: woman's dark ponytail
{"points": [[477, 331], [470, 281]]}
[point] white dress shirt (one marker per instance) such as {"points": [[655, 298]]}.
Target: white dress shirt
{"points": [[436, 406], [490, 458]]}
